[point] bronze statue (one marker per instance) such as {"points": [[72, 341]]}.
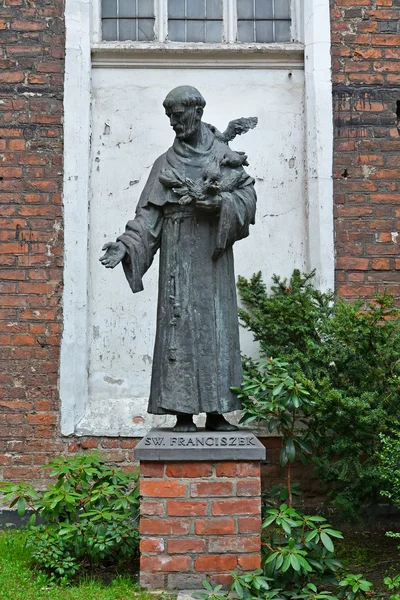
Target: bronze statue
{"points": [[197, 202]]}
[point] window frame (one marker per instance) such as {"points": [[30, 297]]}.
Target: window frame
{"points": [[229, 27]]}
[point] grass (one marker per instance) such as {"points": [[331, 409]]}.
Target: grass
{"points": [[19, 581]]}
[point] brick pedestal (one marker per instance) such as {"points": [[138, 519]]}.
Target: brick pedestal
{"points": [[199, 519]]}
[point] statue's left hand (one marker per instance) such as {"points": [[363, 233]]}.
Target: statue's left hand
{"points": [[210, 204]]}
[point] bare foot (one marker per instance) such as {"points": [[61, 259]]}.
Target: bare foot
{"points": [[184, 423], [219, 423]]}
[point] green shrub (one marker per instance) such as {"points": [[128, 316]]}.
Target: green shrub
{"points": [[347, 356], [89, 515], [390, 466], [390, 472], [270, 395], [393, 586], [298, 550]]}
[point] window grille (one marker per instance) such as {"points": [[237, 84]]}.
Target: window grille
{"points": [[255, 21], [128, 20], [195, 20], [263, 20]]}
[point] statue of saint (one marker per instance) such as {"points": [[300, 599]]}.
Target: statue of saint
{"points": [[198, 201]]}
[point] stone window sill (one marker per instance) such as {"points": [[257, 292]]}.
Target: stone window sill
{"points": [[184, 55]]}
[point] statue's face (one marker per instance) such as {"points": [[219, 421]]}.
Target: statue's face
{"points": [[184, 120]]}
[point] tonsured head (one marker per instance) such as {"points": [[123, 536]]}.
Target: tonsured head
{"points": [[184, 107]]}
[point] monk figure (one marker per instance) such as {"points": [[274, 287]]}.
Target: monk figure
{"points": [[198, 201]]}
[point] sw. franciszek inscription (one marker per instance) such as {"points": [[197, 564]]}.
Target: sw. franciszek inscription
{"points": [[199, 441], [164, 444]]}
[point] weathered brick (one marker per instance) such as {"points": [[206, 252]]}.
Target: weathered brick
{"points": [[215, 563], [215, 526], [189, 469], [12, 77], [249, 524], [239, 544], [155, 545], [186, 508], [249, 562], [164, 526], [152, 469], [162, 489], [211, 488], [238, 469], [220, 579], [236, 506], [186, 545], [152, 580], [150, 508], [42, 419], [381, 264], [248, 487], [165, 564]]}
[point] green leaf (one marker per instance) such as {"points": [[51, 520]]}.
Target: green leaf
{"points": [[290, 450], [238, 588], [271, 557], [283, 457], [334, 533], [311, 535], [269, 520], [286, 527], [365, 585], [305, 564], [32, 520], [295, 562], [327, 542], [286, 564], [21, 507], [277, 390]]}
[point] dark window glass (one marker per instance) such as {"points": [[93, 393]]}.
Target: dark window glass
{"points": [[195, 20], [128, 20], [263, 21]]}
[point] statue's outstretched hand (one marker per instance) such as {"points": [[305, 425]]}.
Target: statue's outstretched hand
{"points": [[115, 252]]}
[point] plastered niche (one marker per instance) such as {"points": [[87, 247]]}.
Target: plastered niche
{"points": [[129, 131]]}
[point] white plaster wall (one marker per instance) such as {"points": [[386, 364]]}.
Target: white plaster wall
{"points": [[129, 131]]}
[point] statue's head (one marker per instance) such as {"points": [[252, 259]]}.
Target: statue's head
{"points": [[184, 107]]}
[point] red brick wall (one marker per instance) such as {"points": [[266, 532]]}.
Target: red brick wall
{"points": [[198, 520], [31, 111], [366, 93], [366, 88]]}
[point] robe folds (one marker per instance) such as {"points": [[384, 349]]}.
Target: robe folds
{"points": [[197, 354]]}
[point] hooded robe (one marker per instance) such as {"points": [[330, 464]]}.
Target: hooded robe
{"points": [[197, 354]]}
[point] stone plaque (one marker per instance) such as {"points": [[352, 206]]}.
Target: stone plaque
{"points": [[165, 444]]}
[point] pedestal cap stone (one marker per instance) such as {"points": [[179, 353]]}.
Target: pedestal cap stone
{"points": [[164, 444]]}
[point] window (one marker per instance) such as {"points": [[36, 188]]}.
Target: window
{"points": [[128, 20], [263, 20], [195, 20], [210, 21]]}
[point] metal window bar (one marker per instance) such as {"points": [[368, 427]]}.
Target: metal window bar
{"points": [[118, 21], [185, 19], [273, 19], [135, 18]]}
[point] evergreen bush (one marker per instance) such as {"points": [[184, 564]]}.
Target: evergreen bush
{"points": [[89, 516], [347, 356]]}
